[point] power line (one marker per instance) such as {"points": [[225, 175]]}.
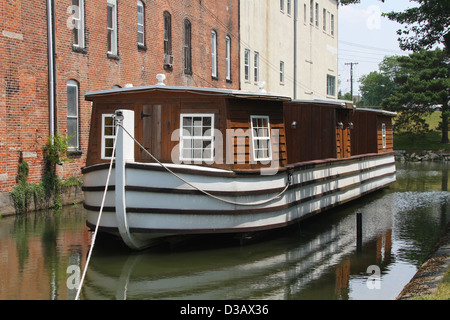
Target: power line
{"points": [[370, 47]]}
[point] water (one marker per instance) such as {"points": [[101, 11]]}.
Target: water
{"points": [[317, 259]]}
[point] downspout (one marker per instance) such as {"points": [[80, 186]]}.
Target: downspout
{"points": [[295, 46], [51, 67]]}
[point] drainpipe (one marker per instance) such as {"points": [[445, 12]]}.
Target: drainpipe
{"points": [[295, 46], [51, 67]]}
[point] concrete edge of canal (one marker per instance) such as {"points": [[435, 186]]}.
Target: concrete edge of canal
{"points": [[70, 196], [431, 273]]}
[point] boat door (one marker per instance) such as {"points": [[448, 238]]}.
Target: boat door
{"points": [[343, 126], [151, 131]]}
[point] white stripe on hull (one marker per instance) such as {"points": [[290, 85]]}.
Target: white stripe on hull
{"points": [[312, 190]]}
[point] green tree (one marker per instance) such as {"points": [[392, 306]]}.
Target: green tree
{"points": [[379, 85], [374, 88], [424, 26], [423, 81]]}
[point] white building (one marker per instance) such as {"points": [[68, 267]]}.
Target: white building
{"points": [[291, 45]]}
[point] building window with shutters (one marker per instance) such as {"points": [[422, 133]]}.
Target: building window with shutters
{"points": [[168, 58]]}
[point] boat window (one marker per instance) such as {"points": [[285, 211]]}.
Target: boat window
{"points": [[197, 137], [108, 135], [261, 138]]}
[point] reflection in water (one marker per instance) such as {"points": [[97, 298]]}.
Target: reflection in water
{"points": [[35, 251], [316, 259]]}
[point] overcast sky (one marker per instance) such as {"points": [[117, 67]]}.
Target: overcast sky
{"points": [[365, 37]]}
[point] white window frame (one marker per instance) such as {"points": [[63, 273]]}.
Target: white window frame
{"points": [[305, 13], [256, 67], [247, 65], [228, 57], [383, 135], [74, 84], [78, 23], [331, 85], [105, 137], [332, 25], [256, 138], [281, 72], [184, 137], [288, 7], [311, 11], [141, 22], [317, 14], [213, 54], [324, 12], [112, 30]]}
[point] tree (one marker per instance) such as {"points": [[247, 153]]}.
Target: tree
{"points": [[423, 81], [425, 26], [379, 85], [374, 88]]}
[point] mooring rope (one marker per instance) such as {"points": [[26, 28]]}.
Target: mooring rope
{"points": [[99, 215], [201, 190]]}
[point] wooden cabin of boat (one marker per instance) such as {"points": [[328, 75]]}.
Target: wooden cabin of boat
{"points": [[163, 114], [335, 129], [300, 130], [226, 161]]}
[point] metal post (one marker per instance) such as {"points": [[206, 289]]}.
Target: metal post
{"points": [[359, 231]]}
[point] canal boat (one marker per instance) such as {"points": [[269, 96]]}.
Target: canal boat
{"points": [[190, 161]]}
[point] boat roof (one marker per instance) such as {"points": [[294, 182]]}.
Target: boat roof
{"points": [[260, 95], [336, 102], [384, 112]]}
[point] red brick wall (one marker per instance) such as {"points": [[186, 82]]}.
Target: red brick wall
{"points": [[23, 88], [24, 121]]}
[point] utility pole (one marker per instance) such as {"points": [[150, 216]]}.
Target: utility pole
{"points": [[351, 64]]}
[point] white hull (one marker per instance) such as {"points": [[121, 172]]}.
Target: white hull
{"points": [[159, 204]]}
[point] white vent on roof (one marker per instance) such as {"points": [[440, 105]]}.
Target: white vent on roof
{"points": [[161, 77]]}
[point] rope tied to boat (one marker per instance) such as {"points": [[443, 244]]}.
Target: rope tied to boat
{"points": [[94, 236], [289, 180]]}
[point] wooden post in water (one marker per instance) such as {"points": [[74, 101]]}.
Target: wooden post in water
{"points": [[359, 231]]}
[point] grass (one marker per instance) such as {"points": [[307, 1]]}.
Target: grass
{"points": [[430, 141], [442, 292]]}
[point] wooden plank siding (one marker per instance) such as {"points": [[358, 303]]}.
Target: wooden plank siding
{"points": [[315, 134], [367, 133], [240, 147], [157, 119]]}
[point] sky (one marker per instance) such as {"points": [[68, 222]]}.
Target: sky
{"points": [[365, 38]]}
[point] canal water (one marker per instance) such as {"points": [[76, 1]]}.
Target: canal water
{"points": [[42, 253]]}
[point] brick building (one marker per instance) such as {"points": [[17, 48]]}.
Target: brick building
{"points": [[88, 45]]}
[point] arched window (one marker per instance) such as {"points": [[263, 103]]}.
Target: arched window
{"points": [[187, 47], [213, 54], [168, 58], [73, 115]]}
